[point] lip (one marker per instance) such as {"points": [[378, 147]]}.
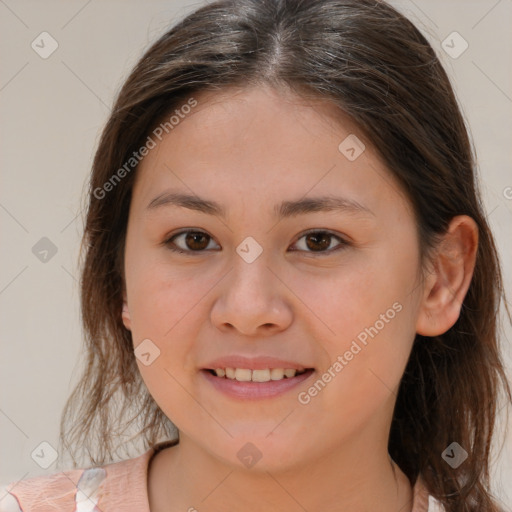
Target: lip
{"points": [[255, 363], [255, 390]]}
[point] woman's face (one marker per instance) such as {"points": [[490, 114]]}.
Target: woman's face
{"points": [[332, 289]]}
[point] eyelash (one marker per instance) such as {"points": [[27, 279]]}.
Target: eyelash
{"points": [[168, 242]]}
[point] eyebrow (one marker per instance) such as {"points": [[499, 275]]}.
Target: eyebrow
{"points": [[285, 209]]}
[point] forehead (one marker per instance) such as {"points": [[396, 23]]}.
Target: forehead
{"points": [[257, 144]]}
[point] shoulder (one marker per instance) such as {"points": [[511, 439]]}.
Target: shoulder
{"points": [[120, 486], [58, 491]]}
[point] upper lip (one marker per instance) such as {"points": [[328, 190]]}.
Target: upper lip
{"points": [[254, 363]]}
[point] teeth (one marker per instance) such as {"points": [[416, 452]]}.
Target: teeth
{"points": [[242, 375], [261, 375], [246, 375], [276, 373]]}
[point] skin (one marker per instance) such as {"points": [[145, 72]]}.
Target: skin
{"points": [[249, 150]]}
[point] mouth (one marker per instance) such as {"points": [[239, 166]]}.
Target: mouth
{"points": [[257, 375], [247, 384]]}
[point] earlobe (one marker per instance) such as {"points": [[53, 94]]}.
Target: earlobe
{"points": [[447, 283], [126, 314]]}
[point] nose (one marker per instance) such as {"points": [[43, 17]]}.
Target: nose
{"points": [[252, 300]]}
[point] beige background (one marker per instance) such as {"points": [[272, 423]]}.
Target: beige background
{"points": [[52, 111]]}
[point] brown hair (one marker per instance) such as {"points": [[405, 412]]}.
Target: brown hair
{"points": [[370, 61]]}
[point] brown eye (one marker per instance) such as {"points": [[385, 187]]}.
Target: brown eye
{"points": [[320, 242], [196, 241], [189, 241]]}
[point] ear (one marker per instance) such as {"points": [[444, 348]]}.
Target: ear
{"points": [[447, 283], [126, 313]]}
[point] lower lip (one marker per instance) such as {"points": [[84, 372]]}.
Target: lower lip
{"points": [[255, 390]]}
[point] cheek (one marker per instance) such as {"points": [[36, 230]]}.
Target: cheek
{"points": [[367, 314], [364, 365], [165, 305], [349, 298], [162, 306], [162, 295]]}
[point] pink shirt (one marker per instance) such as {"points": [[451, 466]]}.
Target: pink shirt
{"points": [[116, 487]]}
